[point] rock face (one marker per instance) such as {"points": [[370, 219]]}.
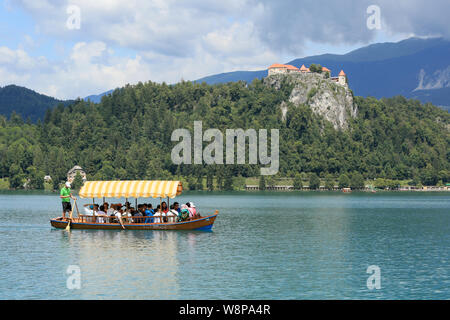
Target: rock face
{"points": [[327, 98]]}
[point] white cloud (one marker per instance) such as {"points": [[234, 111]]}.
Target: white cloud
{"points": [[88, 69], [166, 40]]}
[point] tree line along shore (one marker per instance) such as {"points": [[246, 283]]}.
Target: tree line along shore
{"points": [[302, 182]]}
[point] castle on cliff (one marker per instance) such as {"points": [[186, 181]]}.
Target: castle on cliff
{"points": [[277, 68]]}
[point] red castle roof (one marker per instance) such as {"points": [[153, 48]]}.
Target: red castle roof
{"points": [[291, 67], [303, 68], [277, 65]]}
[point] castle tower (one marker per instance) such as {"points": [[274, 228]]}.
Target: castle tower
{"points": [[304, 69], [342, 78]]}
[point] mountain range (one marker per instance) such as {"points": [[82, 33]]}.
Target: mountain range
{"points": [[415, 68]]}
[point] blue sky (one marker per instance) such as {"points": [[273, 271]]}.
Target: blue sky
{"points": [[122, 42]]}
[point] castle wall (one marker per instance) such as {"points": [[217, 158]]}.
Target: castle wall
{"points": [[277, 71]]}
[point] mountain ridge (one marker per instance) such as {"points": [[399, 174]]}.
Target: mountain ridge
{"points": [[26, 102], [380, 70]]}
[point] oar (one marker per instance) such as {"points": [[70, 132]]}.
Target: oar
{"points": [[68, 226], [70, 218], [120, 220], [76, 206]]}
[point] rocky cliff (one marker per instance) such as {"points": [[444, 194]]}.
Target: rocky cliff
{"points": [[329, 99]]}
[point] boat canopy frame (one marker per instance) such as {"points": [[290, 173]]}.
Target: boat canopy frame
{"points": [[131, 189]]}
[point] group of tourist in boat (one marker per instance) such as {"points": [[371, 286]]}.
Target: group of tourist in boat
{"points": [[144, 213]]}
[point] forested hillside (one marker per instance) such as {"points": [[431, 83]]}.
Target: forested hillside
{"points": [[127, 136], [28, 103]]}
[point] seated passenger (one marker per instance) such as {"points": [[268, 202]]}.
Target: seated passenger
{"points": [[88, 209], [176, 206], [95, 211], [112, 209], [164, 208], [101, 214], [191, 210], [158, 214], [127, 214], [172, 214], [196, 214], [184, 213], [114, 212], [135, 214], [148, 213], [119, 213], [140, 213]]}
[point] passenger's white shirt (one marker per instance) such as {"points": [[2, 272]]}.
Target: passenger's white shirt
{"points": [[87, 211], [157, 214], [172, 214], [101, 219]]}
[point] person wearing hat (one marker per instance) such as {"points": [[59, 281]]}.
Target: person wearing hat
{"points": [[66, 195], [195, 211], [192, 210], [91, 209]]}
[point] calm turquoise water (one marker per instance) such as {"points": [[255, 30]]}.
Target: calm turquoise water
{"points": [[264, 246]]}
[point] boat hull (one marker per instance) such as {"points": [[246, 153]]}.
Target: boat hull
{"points": [[203, 223]]}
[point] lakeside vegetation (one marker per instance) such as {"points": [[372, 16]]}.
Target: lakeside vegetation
{"points": [[127, 136]]}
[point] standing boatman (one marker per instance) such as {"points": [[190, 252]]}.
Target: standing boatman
{"points": [[66, 195]]}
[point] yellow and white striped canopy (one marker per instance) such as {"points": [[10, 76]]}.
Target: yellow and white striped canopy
{"points": [[134, 189]]}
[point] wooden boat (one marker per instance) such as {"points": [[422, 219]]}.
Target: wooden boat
{"points": [[136, 189], [203, 223]]}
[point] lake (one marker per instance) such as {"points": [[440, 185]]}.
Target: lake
{"points": [[264, 245]]}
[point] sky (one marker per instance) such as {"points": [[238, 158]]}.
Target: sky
{"points": [[75, 48]]}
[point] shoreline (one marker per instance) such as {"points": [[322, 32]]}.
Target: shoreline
{"points": [[30, 191]]}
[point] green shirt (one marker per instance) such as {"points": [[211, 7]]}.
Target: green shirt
{"points": [[65, 192]]}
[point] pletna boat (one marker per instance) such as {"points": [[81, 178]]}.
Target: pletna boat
{"points": [[131, 189]]}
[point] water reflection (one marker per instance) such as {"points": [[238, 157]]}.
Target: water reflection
{"points": [[128, 264]]}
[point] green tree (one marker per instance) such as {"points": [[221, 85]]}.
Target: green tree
{"points": [[314, 181], [344, 181], [192, 184], [357, 181], [77, 182], [262, 183], [429, 176], [16, 177], [298, 183], [36, 178], [329, 182], [200, 183], [239, 183], [210, 182], [219, 180], [228, 182], [317, 68]]}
